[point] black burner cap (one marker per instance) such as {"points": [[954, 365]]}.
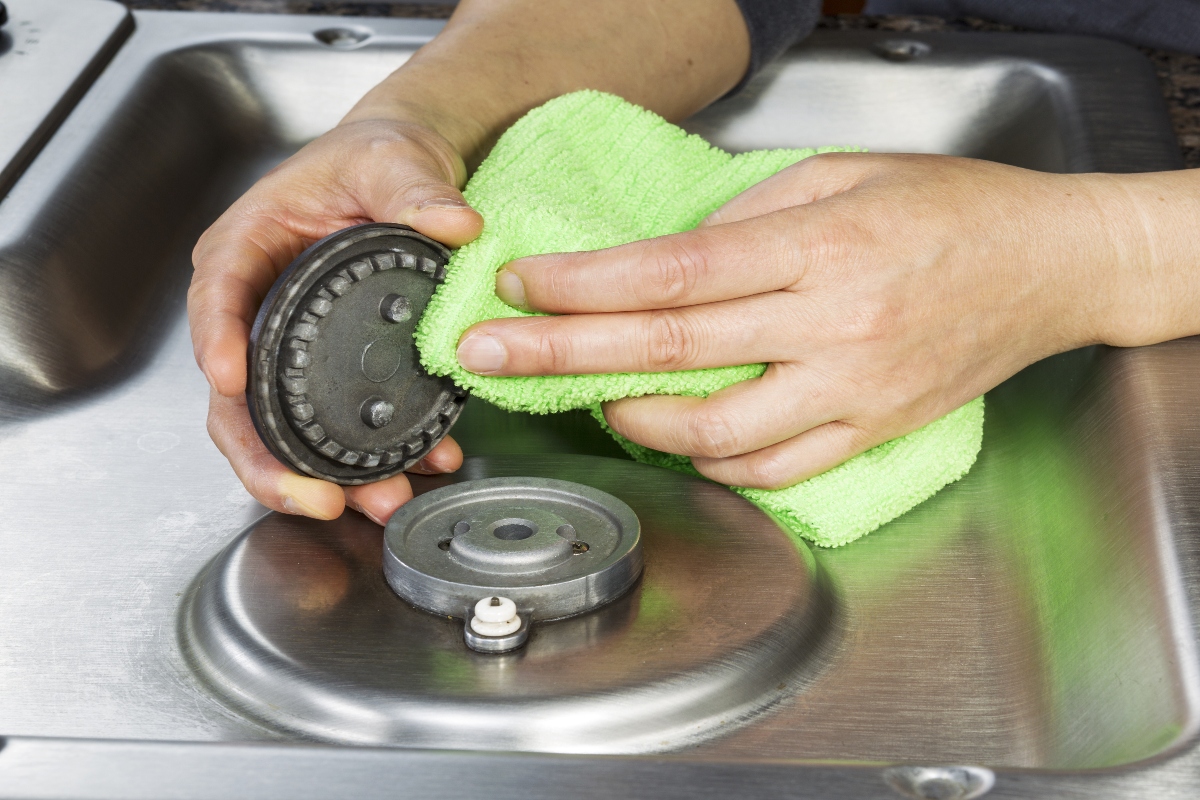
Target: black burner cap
{"points": [[336, 388]]}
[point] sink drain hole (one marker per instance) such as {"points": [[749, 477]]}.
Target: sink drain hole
{"points": [[902, 49], [342, 38]]}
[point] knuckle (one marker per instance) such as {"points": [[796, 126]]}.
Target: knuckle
{"points": [[813, 167], [675, 267], [261, 487], [834, 245], [195, 293], [413, 146], [824, 169], [831, 161], [382, 143], [201, 249], [670, 343], [213, 425], [552, 352], [770, 470], [555, 286], [713, 434]]}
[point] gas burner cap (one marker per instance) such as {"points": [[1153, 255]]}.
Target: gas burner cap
{"points": [[336, 386], [556, 548]]}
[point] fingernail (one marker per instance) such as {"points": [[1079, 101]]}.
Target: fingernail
{"points": [[428, 466], [292, 489], [510, 288], [293, 505], [441, 202], [363, 510], [481, 353], [371, 516]]}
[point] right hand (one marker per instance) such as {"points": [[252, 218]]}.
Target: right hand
{"points": [[368, 170]]}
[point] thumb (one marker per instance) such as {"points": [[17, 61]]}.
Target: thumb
{"points": [[440, 212], [416, 184]]}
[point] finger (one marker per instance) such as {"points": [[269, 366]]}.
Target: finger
{"points": [[379, 500], [701, 266], [807, 181], [236, 261], [269, 481], [446, 456], [789, 462], [744, 331], [786, 401]]}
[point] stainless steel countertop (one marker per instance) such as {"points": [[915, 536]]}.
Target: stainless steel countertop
{"points": [[50, 51]]}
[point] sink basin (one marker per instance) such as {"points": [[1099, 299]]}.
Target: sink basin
{"points": [[1034, 621]]}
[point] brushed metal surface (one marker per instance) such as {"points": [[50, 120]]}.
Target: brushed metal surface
{"points": [[295, 625], [1038, 618], [50, 50]]}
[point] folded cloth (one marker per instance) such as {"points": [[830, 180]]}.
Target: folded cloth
{"points": [[589, 170]]}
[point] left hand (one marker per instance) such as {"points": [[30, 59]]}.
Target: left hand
{"points": [[884, 291]]}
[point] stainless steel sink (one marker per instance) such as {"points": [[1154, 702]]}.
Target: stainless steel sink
{"points": [[1035, 621]]}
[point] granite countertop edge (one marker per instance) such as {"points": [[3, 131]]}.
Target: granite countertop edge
{"points": [[1178, 73]]}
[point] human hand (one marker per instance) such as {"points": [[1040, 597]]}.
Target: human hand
{"points": [[369, 170], [884, 291]]}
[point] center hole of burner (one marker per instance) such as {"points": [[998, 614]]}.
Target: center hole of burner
{"points": [[514, 530]]}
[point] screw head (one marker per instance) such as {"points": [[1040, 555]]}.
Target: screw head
{"points": [[940, 783], [495, 610], [377, 412], [395, 308]]}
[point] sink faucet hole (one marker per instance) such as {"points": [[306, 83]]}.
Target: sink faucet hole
{"points": [[342, 38], [514, 530]]}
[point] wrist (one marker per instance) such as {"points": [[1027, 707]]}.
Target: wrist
{"points": [[1106, 257], [1150, 277]]}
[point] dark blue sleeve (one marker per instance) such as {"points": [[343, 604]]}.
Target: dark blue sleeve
{"points": [[1165, 24], [774, 25]]}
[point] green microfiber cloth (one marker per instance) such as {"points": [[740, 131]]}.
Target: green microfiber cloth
{"points": [[589, 170]]}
